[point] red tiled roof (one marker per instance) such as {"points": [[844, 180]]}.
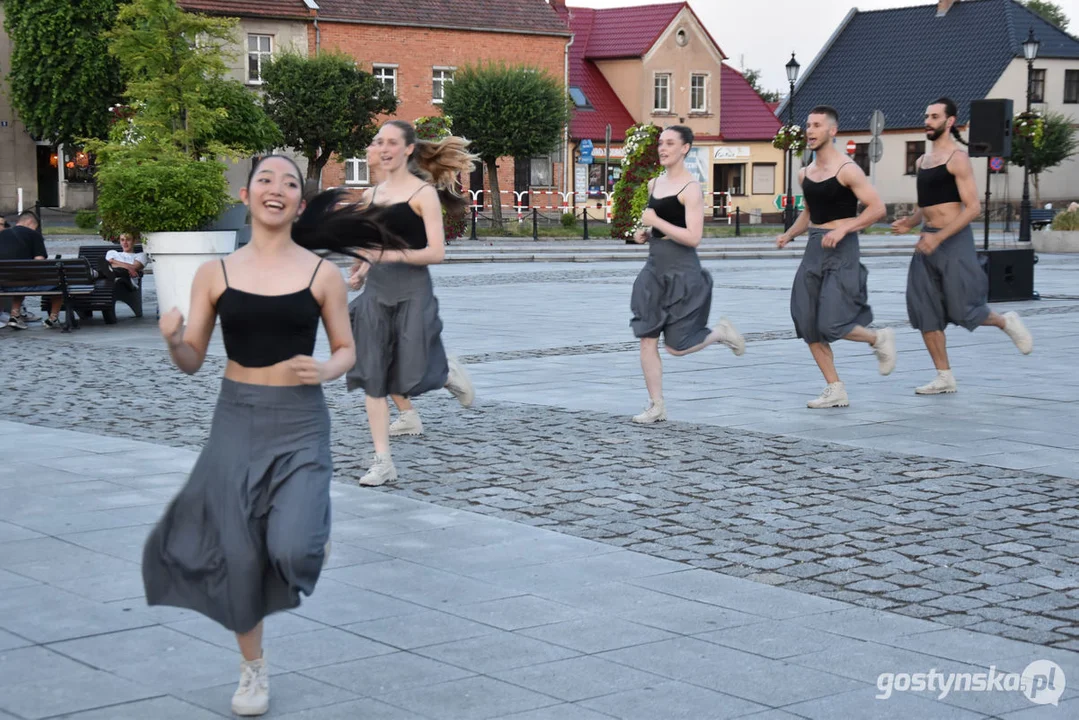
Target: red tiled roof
{"points": [[248, 8], [628, 32], [743, 114], [584, 74], [523, 16]]}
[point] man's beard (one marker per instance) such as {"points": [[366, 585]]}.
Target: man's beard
{"points": [[934, 133]]}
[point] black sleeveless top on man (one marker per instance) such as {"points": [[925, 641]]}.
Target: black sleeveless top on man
{"points": [[829, 199], [401, 220], [937, 186], [263, 330], [668, 208]]}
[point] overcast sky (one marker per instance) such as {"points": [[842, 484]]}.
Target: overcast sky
{"points": [[763, 33]]}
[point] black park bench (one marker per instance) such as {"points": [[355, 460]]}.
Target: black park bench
{"points": [[107, 290], [68, 277], [1041, 217]]}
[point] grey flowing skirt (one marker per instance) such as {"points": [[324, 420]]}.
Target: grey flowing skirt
{"points": [[829, 297], [672, 295], [246, 534], [948, 286], [398, 334]]}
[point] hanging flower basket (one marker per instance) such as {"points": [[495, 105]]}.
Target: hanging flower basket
{"points": [[1030, 125], [790, 137]]}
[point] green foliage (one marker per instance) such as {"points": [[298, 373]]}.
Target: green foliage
{"points": [[753, 77], [1068, 221], [506, 112], [61, 79], [433, 129], [242, 124], [86, 219], [166, 192], [1058, 143], [640, 165], [324, 105], [1049, 11], [568, 220]]}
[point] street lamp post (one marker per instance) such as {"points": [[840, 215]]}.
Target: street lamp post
{"points": [[1030, 52], [792, 77]]}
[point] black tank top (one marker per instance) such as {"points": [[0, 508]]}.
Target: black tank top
{"points": [[401, 220], [263, 330], [668, 208], [937, 186], [829, 199]]}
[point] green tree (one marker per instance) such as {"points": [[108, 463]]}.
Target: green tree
{"points": [[62, 79], [506, 112], [753, 77], [1050, 11], [325, 106], [241, 122], [1058, 143]]}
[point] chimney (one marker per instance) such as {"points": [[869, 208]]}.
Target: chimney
{"points": [[943, 6], [558, 5]]}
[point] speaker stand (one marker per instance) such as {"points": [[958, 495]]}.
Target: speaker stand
{"points": [[988, 194]]}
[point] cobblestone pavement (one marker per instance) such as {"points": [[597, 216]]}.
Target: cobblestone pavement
{"points": [[983, 548]]}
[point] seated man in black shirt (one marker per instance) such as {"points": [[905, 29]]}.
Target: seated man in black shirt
{"points": [[24, 242]]}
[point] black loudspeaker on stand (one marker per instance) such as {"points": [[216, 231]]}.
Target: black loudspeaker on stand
{"points": [[1010, 272]]}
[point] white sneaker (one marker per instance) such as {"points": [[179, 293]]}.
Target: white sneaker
{"points": [[460, 384], [834, 395], [252, 696], [382, 470], [1018, 332], [884, 349], [407, 423], [656, 412], [944, 382], [730, 337]]}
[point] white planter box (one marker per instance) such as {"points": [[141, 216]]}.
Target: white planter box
{"points": [[1055, 241], [177, 257]]}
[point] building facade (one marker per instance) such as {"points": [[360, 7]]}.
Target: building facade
{"points": [[659, 65], [971, 50]]}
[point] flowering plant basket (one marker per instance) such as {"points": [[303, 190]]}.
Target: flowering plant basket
{"points": [[790, 137], [1031, 126], [639, 165]]}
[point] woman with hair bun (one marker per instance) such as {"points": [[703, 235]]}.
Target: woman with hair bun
{"points": [[395, 321]]}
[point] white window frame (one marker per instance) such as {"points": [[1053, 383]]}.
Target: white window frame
{"points": [[354, 166], [704, 93], [261, 55], [440, 76], [656, 108], [386, 71]]}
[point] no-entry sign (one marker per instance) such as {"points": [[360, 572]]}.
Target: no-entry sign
{"points": [[851, 147]]}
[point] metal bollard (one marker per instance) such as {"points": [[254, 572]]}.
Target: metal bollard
{"points": [[737, 221], [473, 236], [535, 224], [584, 210]]}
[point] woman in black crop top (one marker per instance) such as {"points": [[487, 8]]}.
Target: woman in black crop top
{"points": [[249, 531], [829, 298], [672, 294], [945, 282], [395, 319]]}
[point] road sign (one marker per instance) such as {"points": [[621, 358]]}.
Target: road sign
{"points": [[586, 146], [851, 147], [996, 164], [781, 202], [876, 149], [586, 152], [876, 123]]}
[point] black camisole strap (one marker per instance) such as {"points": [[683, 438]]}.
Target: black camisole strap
{"points": [[225, 273], [314, 274], [421, 187], [849, 162]]}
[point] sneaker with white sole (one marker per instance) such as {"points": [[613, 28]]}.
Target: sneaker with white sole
{"points": [[1017, 331], [17, 323], [407, 423], [52, 322], [834, 395], [28, 316], [381, 472], [884, 349], [459, 384], [656, 412], [944, 382], [252, 696], [730, 337]]}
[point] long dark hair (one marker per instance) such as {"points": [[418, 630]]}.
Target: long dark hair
{"points": [[439, 163], [950, 111], [332, 223]]}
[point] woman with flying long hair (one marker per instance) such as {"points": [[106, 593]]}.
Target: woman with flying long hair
{"points": [[395, 321], [250, 529]]}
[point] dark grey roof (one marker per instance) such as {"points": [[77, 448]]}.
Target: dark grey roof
{"points": [[900, 60]]}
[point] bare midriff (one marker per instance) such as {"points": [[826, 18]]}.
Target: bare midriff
{"points": [[942, 215]]}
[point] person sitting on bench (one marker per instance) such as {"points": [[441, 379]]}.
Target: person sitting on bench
{"points": [[126, 264], [24, 242]]}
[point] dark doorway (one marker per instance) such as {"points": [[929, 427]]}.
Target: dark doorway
{"points": [[48, 176], [522, 179], [475, 184]]}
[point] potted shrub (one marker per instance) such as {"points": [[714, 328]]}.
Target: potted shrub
{"points": [[160, 172], [1061, 237]]}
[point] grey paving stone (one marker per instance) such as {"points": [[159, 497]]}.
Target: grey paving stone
{"points": [[578, 678], [10, 532], [278, 625], [8, 641], [863, 704], [873, 625], [384, 674], [516, 613], [302, 651], [83, 689], [475, 698], [971, 647], [367, 709], [418, 584], [492, 653], [688, 617], [46, 614], [596, 633], [673, 700], [10, 580], [289, 693], [565, 711], [337, 603], [161, 708], [427, 627], [777, 639]]}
